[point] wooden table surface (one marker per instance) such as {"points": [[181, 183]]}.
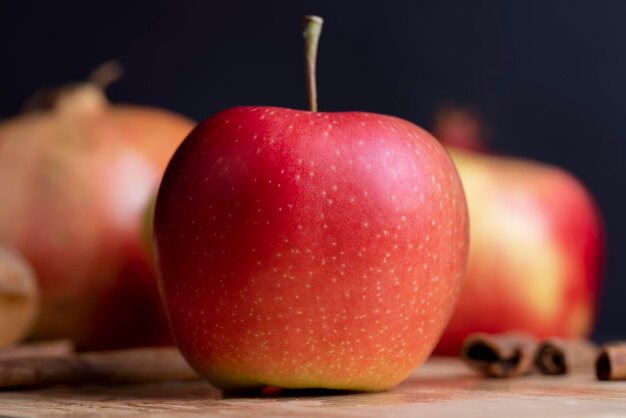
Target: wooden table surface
{"points": [[440, 388]]}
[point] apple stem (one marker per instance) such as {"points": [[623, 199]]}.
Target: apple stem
{"points": [[312, 30], [106, 73]]}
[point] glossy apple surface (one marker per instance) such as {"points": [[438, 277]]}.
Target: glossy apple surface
{"points": [[301, 249]]}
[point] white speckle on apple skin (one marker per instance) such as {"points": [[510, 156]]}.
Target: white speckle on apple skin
{"points": [[356, 295]]}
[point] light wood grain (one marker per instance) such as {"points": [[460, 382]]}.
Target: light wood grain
{"points": [[441, 388]]}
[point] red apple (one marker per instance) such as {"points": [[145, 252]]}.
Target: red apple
{"points": [[75, 181], [536, 245], [302, 249]]}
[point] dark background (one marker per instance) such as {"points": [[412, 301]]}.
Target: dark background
{"points": [[550, 76]]}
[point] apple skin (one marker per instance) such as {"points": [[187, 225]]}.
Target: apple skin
{"points": [[536, 253], [301, 249], [75, 181]]}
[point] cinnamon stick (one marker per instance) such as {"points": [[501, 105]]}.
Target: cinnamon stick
{"points": [[611, 362], [140, 365], [558, 356], [500, 355], [39, 349]]}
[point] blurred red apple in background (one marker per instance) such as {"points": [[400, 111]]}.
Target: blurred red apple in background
{"points": [[75, 182], [536, 243], [302, 249]]}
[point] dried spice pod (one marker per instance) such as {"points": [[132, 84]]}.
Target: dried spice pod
{"points": [[502, 355], [557, 356], [611, 362], [19, 297]]}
